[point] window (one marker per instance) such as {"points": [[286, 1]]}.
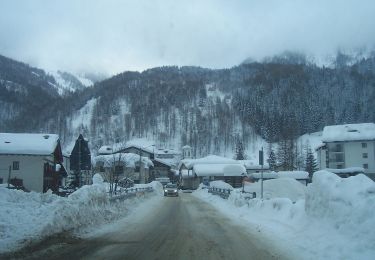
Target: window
{"points": [[339, 166], [364, 145], [119, 169], [16, 165], [338, 147], [365, 166], [1, 180], [364, 155]]}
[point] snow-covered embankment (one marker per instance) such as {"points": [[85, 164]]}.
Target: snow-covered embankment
{"points": [[334, 220], [29, 217]]}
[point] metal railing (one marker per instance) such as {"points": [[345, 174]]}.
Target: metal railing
{"points": [[224, 193], [125, 193]]}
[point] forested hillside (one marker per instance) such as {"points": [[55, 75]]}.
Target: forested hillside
{"points": [[208, 109]]}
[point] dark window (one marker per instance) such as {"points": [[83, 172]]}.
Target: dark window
{"points": [[364, 145], [119, 169], [339, 166], [16, 165], [365, 166], [1, 180], [364, 155], [339, 148], [101, 169]]}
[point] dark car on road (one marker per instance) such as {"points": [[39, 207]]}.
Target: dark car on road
{"points": [[171, 190]]}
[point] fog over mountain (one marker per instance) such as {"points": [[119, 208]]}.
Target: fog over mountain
{"points": [[112, 36]]}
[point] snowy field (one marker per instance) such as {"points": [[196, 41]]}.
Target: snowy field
{"points": [[30, 217], [333, 218]]}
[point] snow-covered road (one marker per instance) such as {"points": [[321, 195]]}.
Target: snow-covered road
{"points": [[162, 228]]}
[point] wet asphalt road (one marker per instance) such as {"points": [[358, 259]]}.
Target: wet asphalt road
{"points": [[180, 228]]}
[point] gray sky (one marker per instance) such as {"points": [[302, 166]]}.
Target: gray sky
{"points": [[112, 36]]}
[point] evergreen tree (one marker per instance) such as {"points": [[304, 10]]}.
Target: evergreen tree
{"points": [[272, 160], [240, 154], [311, 164]]}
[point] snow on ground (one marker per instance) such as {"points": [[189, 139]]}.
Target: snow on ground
{"points": [[29, 217], [278, 188], [334, 220]]}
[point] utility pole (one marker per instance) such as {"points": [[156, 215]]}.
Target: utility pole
{"points": [[10, 171], [261, 162], [79, 163]]}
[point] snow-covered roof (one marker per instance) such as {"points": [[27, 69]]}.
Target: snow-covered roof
{"points": [[168, 162], [349, 132], [142, 144], [105, 149], [202, 170], [129, 159], [186, 147], [32, 144], [298, 175], [166, 151], [210, 159], [250, 165]]}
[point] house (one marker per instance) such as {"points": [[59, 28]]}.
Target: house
{"points": [[31, 161], [80, 162], [192, 172], [163, 160], [347, 146], [162, 169], [121, 165]]}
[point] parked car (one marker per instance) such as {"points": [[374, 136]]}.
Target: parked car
{"points": [[171, 190]]}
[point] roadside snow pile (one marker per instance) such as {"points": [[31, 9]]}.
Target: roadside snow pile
{"points": [[334, 221], [29, 217], [278, 188], [348, 204], [220, 185]]}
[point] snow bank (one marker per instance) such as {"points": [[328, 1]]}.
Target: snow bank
{"points": [[334, 221], [221, 185], [29, 217], [278, 188], [347, 203]]}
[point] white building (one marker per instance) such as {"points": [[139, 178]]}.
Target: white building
{"points": [[122, 165], [348, 146], [34, 161], [192, 172]]}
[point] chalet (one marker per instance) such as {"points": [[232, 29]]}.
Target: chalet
{"points": [[31, 161], [348, 146], [162, 169], [192, 172], [163, 160], [122, 165]]}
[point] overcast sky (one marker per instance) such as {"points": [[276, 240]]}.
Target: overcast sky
{"points": [[112, 36]]}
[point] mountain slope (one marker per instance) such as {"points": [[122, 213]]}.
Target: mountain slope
{"points": [[209, 110]]}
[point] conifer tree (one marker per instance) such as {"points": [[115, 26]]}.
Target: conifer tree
{"points": [[240, 154], [311, 164], [272, 160]]}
